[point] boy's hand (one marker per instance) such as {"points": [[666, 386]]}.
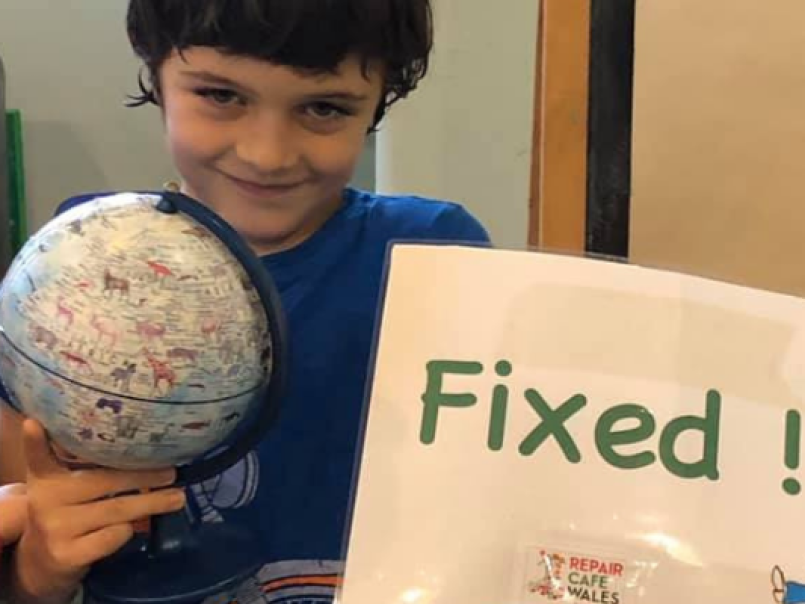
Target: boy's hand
{"points": [[71, 522], [13, 513]]}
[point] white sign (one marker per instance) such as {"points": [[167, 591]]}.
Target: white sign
{"points": [[553, 429]]}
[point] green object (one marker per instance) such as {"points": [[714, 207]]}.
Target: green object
{"points": [[16, 180]]}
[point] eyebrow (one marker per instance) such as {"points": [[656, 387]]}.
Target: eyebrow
{"points": [[350, 97], [211, 78]]}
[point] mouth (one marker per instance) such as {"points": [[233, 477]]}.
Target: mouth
{"points": [[262, 189]]}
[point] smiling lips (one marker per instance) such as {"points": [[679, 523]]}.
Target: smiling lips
{"points": [[262, 190]]}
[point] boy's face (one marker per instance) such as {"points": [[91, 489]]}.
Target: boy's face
{"points": [[268, 148]]}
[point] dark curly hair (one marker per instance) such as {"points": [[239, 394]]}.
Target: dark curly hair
{"points": [[314, 35]]}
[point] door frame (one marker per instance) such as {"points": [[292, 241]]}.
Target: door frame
{"points": [[581, 164]]}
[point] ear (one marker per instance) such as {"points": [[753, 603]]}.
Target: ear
{"points": [[380, 113], [153, 91], [156, 94]]}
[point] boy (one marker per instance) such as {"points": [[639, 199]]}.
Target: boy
{"points": [[266, 106]]}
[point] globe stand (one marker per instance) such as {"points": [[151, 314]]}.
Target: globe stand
{"points": [[176, 563]]}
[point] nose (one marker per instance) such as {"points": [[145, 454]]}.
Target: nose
{"points": [[268, 145]]}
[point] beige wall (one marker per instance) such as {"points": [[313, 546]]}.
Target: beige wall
{"points": [[466, 135], [719, 155]]}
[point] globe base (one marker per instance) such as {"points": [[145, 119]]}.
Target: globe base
{"points": [[178, 564]]}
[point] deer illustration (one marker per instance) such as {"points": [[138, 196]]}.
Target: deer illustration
{"points": [[112, 284], [77, 361], [162, 371], [43, 336], [64, 312], [210, 327], [105, 328], [150, 331], [123, 375], [183, 354]]}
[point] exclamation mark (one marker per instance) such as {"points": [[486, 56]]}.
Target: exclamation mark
{"points": [[793, 429]]}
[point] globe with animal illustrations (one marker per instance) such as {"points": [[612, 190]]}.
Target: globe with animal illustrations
{"points": [[139, 330]]}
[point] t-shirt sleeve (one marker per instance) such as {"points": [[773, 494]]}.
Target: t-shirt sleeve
{"points": [[455, 224]]}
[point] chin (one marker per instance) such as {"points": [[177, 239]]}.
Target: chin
{"points": [[272, 238]]}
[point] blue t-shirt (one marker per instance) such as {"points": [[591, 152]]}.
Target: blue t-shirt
{"points": [[295, 490]]}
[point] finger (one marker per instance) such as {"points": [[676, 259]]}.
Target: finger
{"points": [[89, 518], [13, 516], [100, 544], [83, 486], [38, 454], [16, 489]]}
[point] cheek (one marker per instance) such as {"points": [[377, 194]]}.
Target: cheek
{"points": [[190, 137], [339, 155]]}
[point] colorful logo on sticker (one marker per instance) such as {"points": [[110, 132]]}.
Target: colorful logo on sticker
{"points": [[573, 578], [550, 586]]}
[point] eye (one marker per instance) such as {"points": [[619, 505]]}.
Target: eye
{"points": [[220, 96], [326, 111]]}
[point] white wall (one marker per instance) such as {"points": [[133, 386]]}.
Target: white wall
{"points": [[69, 69], [466, 135]]}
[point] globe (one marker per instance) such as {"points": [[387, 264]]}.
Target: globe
{"points": [[134, 333]]}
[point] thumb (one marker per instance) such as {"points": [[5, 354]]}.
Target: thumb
{"points": [[38, 454]]}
